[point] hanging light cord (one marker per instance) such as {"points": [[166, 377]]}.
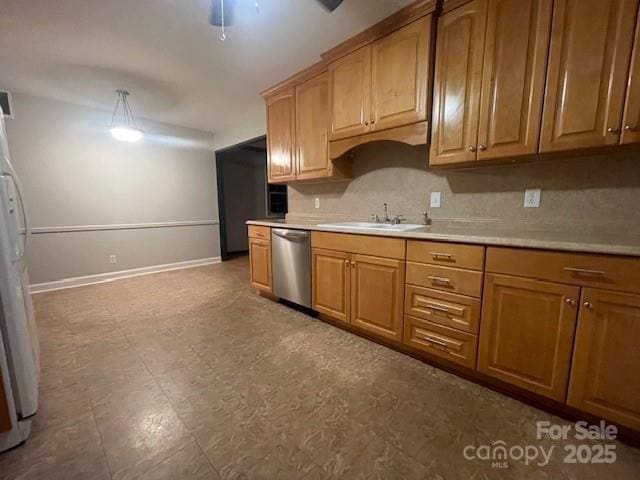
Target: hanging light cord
{"points": [[223, 37], [127, 113]]}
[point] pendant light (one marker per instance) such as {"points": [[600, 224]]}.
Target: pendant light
{"points": [[123, 125]]}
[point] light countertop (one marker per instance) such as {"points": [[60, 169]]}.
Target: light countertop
{"points": [[571, 241]]}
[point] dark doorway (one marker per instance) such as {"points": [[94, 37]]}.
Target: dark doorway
{"points": [[243, 193]]}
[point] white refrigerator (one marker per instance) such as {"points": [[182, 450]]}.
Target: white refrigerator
{"points": [[19, 354]]}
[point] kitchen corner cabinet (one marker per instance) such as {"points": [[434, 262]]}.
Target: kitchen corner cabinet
{"points": [[526, 333], [281, 136], [606, 357], [260, 258], [312, 122], [489, 80], [591, 45], [382, 85]]}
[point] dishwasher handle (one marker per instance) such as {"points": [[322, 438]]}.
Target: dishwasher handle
{"points": [[292, 235]]}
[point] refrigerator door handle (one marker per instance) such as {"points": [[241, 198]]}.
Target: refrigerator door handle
{"points": [[23, 211]]}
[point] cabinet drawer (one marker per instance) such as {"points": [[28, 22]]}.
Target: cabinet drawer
{"points": [[257, 231], [445, 342], [454, 280], [449, 309], [364, 244], [587, 270], [446, 254]]}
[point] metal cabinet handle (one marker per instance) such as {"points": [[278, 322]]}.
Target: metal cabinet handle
{"points": [[437, 308], [482, 148], [433, 340], [613, 131], [437, 255], [472, 148], [629, 128], [589, 305], [366, 123], [439, 279], [584, 271], [570, 301], [346, 262]]}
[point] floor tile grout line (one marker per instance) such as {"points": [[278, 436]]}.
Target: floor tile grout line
{"points": [[102, 447]]}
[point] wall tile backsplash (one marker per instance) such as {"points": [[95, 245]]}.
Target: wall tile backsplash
{"points": [[578, 192]]}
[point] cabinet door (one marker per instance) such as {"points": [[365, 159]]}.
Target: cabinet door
{"points": [[606, 357], [331, 283], [526, 333], [281, 136], [515, 63], [312, 123], [631, 121], [260, 264], [456, 93], [350, 94], [377, 295], [591, 43], [399, 72]]}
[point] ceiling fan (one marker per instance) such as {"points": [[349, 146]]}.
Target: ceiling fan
{"points": [[221, 11]]}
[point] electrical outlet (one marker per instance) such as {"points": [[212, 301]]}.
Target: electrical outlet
{"points": [[317, 203], [436, 198], [113, 259], [532, 197]]}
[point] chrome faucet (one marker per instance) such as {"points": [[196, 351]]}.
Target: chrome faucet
{"points": [[427, 220], [386, 214], [397, 219]]}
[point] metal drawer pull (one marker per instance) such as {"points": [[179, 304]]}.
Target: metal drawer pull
{"points": [[585, 271], [437, 255], [437, 342], [437, 308], [439, 279]]}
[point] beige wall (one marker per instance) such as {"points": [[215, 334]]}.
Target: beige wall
{"points": [[75, 174], [598, 191]]}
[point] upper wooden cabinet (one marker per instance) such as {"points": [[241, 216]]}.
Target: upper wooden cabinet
{"points": [[526, 333], [591, 44], [399, 74], [382, 85], [350, 94], [281, 136], [631, 120], [606, 357], [515, 61], [312, 120], [457, 84], [489, 80]]}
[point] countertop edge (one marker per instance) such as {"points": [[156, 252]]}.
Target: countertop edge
{"points": [[497, 241]]}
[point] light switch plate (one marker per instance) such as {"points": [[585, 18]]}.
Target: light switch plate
{"points": [[436, 199], [317, 203], [532, 197]]}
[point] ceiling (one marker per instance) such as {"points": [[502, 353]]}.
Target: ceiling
{"points": [[167, 55]]}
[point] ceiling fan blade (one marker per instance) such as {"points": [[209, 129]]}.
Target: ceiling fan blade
{"points": [[330, 5], [216, 11]]}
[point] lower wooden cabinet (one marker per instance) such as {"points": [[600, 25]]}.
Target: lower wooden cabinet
{"points": [[260, 264], [331, 283], [606, 358], [448, 343], [361, 290], [377, 293], [526, 333]]}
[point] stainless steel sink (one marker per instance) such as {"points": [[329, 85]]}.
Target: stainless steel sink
{"points": [[386, 227]]}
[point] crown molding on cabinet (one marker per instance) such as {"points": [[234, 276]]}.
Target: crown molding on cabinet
{"points": [[381, 29], [297, 78]]}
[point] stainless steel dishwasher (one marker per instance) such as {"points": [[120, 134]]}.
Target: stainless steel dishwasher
{"points": [[291, 259]]}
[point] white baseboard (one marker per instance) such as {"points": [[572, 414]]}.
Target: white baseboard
{"points": [[112, 276]]}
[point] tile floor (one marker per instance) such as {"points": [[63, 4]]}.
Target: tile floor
{"points": [[189, 375]]}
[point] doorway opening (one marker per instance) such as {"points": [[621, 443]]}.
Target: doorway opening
{"points": [[244, 194]]}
